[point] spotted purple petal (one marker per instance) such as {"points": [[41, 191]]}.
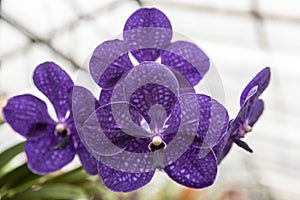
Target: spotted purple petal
{"points": [[119, 181], [102, 135], [147, 17], [27, 115], [127, 117], [213, 120], [105, 97], [132, 162], [146, 32], [54, 82], [223, 147], [248, 114], [116, 94], [151, 94], [147, 73], [188, 59], [144, 86], [147, 84], [261, 80], [42, 157], [185, 86], [256, 111], [109, 63], [83, 105], [192, 171], [98, 141], [186, 123], [89, 163]]}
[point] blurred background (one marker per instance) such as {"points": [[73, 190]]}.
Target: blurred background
{"points": [[241, 37]]}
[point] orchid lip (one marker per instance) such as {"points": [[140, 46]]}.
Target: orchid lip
{"points": [[63, 143]]}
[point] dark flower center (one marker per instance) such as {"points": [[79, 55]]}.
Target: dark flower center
{"points": [[153, 148], [156, 144], [245, 128], [62, 131]]}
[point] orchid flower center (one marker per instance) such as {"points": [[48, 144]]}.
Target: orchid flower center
{"points": [[247, 128], [156, 143], [243, 129], [156, 140], [61, 129]]}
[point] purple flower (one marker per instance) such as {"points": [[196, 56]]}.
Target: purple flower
{"points": [[149, 123], [147, 36], [251, 109], [51, 144], [150, 117]]}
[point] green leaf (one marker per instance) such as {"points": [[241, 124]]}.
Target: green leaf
{"points": [[75, 175], [17, 176], [53, 191], [21, 179], [10, 153]]}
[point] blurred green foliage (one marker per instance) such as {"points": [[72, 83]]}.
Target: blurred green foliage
{"points": [[17, 182]]}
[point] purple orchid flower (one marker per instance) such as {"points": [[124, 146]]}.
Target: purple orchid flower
{"points": [[150, 117], [51, 144], [251, 109], [149, 124], [147, 36]]}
